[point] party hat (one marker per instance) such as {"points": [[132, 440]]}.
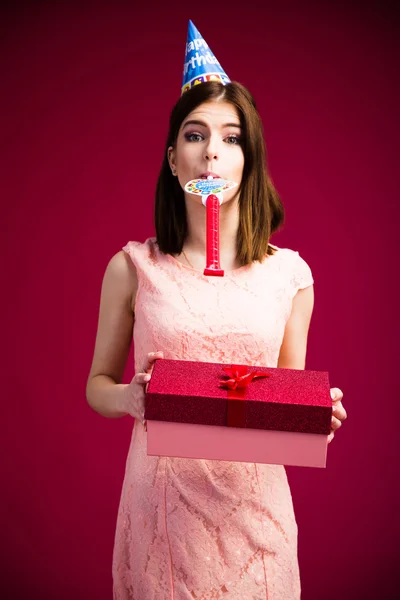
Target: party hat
{"points": [[200, 63]]}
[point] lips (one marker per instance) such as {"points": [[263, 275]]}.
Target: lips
{"points": [[208, 174]]}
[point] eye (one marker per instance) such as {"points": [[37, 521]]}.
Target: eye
{"points": [[233, 139], [193, 137]]}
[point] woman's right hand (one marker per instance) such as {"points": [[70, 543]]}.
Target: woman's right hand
{"points": [[135, 392]]}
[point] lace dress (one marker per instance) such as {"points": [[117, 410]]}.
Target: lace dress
{"points": [[195, 529]]}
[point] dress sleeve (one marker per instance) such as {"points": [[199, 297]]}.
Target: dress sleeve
{"points": [[142, 256], [301, 276], [138, 254], [132, 249]]}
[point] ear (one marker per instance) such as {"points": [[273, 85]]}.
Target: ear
{"points": [[171, 157]]}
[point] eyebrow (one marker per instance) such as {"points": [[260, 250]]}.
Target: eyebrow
{"points": [[203, 124]]}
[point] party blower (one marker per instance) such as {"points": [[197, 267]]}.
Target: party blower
{"points": [[211, 192]]}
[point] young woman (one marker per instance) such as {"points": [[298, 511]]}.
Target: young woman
{"points": [[196, 529]]}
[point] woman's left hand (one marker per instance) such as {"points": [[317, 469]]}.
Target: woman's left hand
{"points": [[338, 412]]}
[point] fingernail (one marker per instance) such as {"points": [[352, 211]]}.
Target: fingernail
{"points": [[333, 394], [146, 377]]}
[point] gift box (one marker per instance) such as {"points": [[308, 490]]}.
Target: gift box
{"points": [[238, 413]]}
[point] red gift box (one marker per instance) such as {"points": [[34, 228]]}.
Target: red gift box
{"points": [[239, 413]]}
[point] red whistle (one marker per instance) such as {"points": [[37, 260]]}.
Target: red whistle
{"points": [[212, 237]]}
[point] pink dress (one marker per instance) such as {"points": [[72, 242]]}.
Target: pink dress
{"points": [[197, 529]]}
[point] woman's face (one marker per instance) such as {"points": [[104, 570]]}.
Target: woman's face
{"points": [[209, 143]]}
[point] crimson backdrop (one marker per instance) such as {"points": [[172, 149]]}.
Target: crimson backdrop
{"points": [[86, 95]]}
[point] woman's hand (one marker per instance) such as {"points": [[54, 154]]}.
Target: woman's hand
{"points": [[338, 412], [135, 391]]}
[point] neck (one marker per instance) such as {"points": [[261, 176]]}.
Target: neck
{"points": [[195, 243]]}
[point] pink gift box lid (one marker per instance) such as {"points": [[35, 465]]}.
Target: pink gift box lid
{"points": [[288, 400]]}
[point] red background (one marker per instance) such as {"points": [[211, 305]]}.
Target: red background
{"points": [[86, 95]]}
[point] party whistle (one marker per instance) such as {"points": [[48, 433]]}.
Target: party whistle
{"points": [[211, 192]]}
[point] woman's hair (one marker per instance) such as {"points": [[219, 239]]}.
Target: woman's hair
{"points": [[260, 209]]}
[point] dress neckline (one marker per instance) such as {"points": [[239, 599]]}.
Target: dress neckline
{"points": [[231, 272], [193, 270]]}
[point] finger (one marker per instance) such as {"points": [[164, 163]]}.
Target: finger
{"points": [[339, 411], [150, 360], [142, 378], [335, 424], [331, 436], [336, 394]]}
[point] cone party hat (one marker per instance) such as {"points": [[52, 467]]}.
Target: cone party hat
{"points": [[200, 63]]}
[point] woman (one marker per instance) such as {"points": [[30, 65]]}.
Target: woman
{"points": [[191, 528]]}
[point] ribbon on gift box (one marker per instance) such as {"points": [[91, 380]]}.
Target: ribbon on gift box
{"points": [[237, 384]]}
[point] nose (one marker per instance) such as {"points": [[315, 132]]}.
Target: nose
{"points": [[210, 152]]}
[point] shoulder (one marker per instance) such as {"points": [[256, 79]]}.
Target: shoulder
{"points": [[120, 277], [127, 266], [141, 252], [294, 266], [120, 266], [288, 256]]}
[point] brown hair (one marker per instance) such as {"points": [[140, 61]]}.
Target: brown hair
{"points": [[260, 209]]}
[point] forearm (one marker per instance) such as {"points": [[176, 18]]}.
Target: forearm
{"points": [[106, 396]]}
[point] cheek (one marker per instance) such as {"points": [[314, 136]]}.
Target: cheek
{"points": [[238, 163], [186, 156]]}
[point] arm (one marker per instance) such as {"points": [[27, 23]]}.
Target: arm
{"points": [[292, 354], [104, 390], [293, 350]]}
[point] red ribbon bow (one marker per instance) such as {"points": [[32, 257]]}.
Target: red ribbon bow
{"points": [[239, 379]]}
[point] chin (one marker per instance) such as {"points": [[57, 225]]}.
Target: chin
{"points": [[230, 197]]}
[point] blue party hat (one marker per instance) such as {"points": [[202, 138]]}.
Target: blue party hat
{"points": [[200, 63]]}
